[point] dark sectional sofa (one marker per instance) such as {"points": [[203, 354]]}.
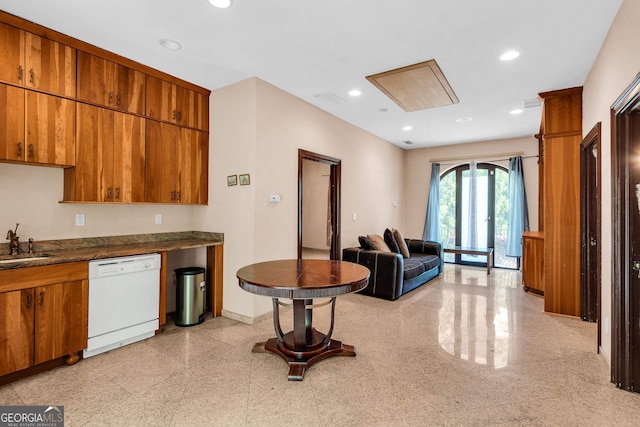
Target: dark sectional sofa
{"points": [[393, 275]]}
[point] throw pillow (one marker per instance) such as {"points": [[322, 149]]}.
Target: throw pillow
{"points": [[365, 243], [404, 249], [378, 243], [391, 241]]}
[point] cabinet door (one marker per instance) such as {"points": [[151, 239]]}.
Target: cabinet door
{"points": [[61, 320], [192, 166], [12, 54], [129, 158], [191, 108], [160, 153], [11, 123], [50, 66], [93, 176], [161, 99], [96, 79], [50, 123], [130, 90], [16, 330]]}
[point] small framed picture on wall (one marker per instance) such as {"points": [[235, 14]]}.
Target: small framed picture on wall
{"points": [[232, 180], [245, 179]]}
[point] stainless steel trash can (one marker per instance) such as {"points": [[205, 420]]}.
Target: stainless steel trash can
{"points": [[190, 289]]}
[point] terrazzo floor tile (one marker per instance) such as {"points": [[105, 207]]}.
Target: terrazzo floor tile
{"points": [[466, 349]]}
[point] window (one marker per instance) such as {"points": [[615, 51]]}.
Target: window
{"points": [[490, 215]]}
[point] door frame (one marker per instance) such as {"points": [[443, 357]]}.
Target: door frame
{"points": [[625, 354], [335, 175], [590, 227]]}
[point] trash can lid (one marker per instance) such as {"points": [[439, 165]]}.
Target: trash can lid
{"points": [[189, 271]]}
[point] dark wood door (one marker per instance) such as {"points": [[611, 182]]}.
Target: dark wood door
{"points": [[590, 227], [625, 319]]}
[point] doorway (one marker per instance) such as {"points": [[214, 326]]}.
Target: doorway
{"points": [[625, 195], [490, 215], [318, 178], [590, 175]]}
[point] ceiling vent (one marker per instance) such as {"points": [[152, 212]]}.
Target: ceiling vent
{"points": [[416, 87], [531, 103], [408, 142], [330, 98]]}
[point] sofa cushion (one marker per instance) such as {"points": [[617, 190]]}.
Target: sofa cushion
{"points": [[428, 261], [413, 268], [402, 245], [378, 243], [391, 241], [366, 243]]}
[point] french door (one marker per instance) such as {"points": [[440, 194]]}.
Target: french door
{"points": [[474, 212]]}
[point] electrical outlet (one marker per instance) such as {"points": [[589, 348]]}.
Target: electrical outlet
{"points": [[158, 219], [80, 220]]}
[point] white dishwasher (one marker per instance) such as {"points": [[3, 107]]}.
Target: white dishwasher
{"points": [[124, 299]]}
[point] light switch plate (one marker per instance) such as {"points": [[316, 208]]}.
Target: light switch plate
{"points": [[80, 220]]}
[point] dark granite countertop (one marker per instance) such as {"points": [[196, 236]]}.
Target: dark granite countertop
{"points": [[49, 252]]}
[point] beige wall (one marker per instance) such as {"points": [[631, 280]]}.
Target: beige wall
{"points": [[417, 174], [315, 204], [258, 129], [30, 195], [614, 69]]}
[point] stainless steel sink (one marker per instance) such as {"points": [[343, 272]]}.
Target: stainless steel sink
{"points": [[9, 260]]}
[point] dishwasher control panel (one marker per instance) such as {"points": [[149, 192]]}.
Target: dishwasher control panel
{"points": [[123, 265]]}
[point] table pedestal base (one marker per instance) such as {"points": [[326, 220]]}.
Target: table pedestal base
{"points": [[299, 361]]}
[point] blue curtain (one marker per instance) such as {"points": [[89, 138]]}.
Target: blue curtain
{"points": [[518, 211], [432, 220]]}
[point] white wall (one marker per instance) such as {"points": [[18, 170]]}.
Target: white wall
{"points": [[615, 67], [417, 174]]}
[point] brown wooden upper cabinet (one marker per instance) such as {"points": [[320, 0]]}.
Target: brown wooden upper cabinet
{"points": [[37, 128], [36, 62], [177, 164], [174, 104], [110, 159], [109, 84]]}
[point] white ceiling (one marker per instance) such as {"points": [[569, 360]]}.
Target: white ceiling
{"points": [[309, 48]]}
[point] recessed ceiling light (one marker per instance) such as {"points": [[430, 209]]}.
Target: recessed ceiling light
{"points": [[355, 92], [222, 4], [407, 128], [170, 44], [384, 110], [508, 56], [515, 111], [464, 119]]}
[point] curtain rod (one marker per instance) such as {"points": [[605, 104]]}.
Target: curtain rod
{"points": [[485, 156]]}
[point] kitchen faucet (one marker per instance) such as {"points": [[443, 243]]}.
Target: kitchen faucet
{"points": [[12, 236]]}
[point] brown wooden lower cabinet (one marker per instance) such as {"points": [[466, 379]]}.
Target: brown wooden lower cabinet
{"points": [[533, 261], [45, 321]]}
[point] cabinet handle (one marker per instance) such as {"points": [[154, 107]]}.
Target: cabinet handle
{"points": [[29, 297], [30, 151], [178, 195], [118, 99], [110, 193], [31, 74], [110, 97], [20, 72], [179, 116], [19, 153], [173, 195], [118, 193], [41, 298]]}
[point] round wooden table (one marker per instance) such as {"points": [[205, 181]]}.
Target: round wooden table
{"points": [[302, 281]]}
